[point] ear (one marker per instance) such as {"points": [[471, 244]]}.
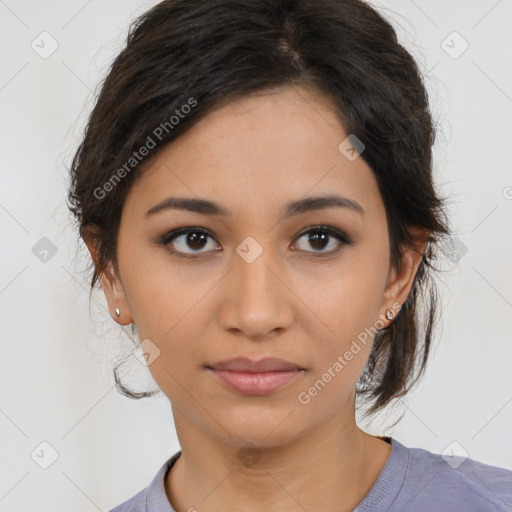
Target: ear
{"points": [[112, 287], [400, 282]]}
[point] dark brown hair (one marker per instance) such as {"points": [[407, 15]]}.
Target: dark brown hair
{"points": [[204, 53]]}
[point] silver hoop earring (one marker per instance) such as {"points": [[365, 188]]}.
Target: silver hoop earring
{"points": [[118, 312]]}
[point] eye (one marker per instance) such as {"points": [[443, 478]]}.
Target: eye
{"points": [[196, 239], [192, 238], [319, 237]]}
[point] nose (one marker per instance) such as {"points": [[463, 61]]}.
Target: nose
{"points": [[257, 303]]}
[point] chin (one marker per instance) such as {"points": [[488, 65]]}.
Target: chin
{"points": [[261, 426]]}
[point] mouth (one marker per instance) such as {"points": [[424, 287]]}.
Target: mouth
{"points": [[245, 364], [256, 378], [256, 384]]}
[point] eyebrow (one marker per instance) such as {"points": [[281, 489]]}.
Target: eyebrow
{"points": [[206, 207]]}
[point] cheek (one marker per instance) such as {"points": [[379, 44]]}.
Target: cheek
{"points": [[180, 360], [341, 352], [165, 308], [348, 307], [349, 304], [162, 293]]}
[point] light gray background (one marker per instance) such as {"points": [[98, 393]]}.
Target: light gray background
{"points": [[55, 380]]}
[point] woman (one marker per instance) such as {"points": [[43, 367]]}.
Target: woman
{"points": [[255, 189]]}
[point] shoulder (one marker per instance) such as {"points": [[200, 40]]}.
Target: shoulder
{"points": [[454, 483], [153, 497], [136, 503]]}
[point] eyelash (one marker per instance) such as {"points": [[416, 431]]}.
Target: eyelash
{"points": [[342, 238]]}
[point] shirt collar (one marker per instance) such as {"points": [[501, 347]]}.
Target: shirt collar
{"points": [[391, 478], [156, 498]]}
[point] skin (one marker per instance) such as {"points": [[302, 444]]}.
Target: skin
{"points": [[252, 156]]}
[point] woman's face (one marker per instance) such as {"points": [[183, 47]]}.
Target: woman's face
{"points": [[262, 282]]}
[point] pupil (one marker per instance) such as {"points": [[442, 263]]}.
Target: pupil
{"points": [[315, 238], [193, 239]]}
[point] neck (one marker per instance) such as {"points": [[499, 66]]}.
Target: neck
{"points": [[331, 468]]}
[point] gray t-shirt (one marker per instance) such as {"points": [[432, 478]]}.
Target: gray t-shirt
{"points": [[413, 480]]}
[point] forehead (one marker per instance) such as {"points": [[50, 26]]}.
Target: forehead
{"points": [[258, 152]]}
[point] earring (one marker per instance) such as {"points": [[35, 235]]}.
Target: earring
{"points": [[389, 314], [118, 312]]}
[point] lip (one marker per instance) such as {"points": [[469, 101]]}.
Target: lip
{"points": [[256, 378], [256, 384], [266, 364]]}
